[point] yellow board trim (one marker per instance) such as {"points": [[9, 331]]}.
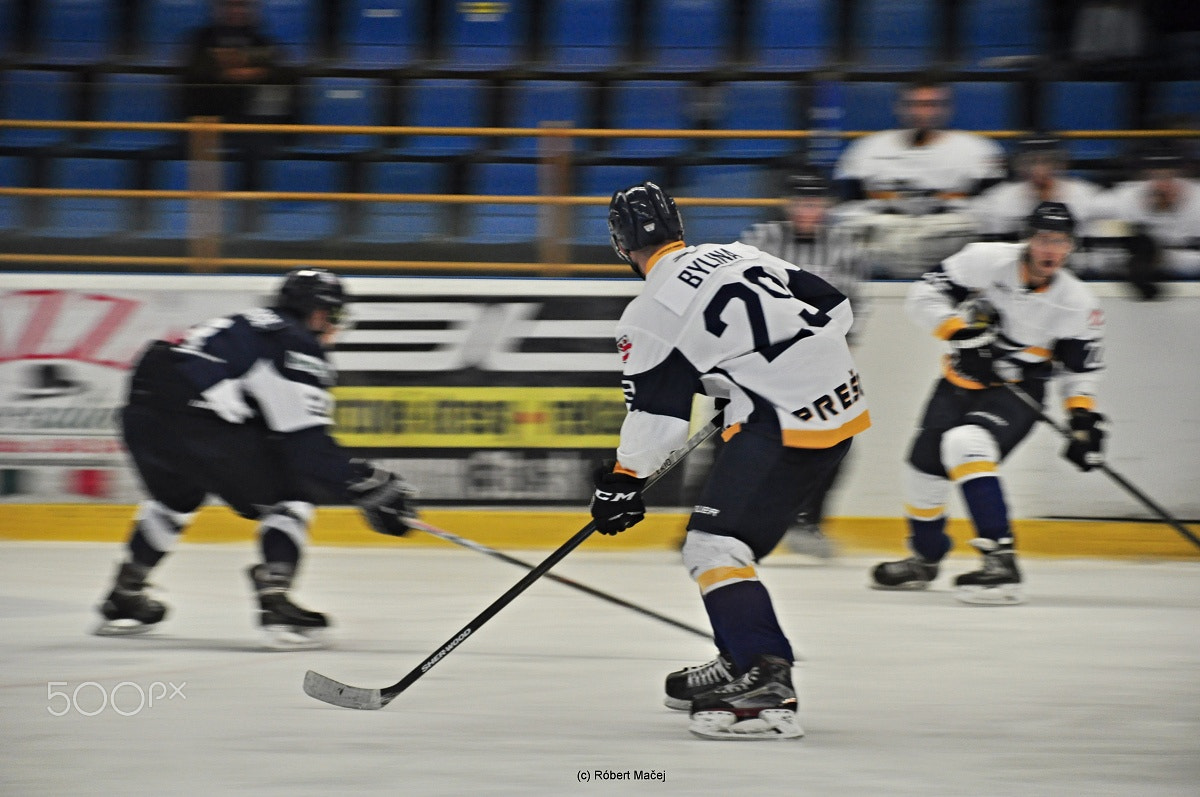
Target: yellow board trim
{"points": [[546, 530], [971, 469], [718, 574]]}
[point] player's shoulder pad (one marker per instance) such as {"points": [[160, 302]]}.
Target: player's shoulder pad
{"points": [[264, 319]]}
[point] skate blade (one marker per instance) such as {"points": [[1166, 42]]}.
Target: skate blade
{"points": [[1003, 595], [907, 586], [769, 725], [290, 637], [122, 627]]}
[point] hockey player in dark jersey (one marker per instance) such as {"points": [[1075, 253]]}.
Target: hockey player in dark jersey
{"points": [[1010, 314], [811, 238], [768, 341], [240, 410]]}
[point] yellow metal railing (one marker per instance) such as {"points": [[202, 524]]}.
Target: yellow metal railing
{"points": [[203, 137]]}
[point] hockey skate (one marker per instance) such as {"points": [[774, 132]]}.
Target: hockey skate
{"points": [[285, 625], [907, 574], [756, 706], [128, 609], [998, 583], [807, 538], [684, 685]]}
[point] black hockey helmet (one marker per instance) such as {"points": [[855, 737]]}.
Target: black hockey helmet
{"points": [[307, 289], [640, 216], [808, 184], [1161, 156], [1051, 216], [1041, 145]]}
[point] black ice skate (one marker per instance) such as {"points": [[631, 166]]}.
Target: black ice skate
{"points": [[683, 685], [128, 609], [286, 625], [761, 704], [906, 574], [998, 583]]}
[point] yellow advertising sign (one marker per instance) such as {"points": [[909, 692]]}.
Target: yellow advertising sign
{"points": [[478, 417]]}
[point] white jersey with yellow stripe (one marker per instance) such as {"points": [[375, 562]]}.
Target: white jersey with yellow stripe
{"points": [[735, 323], [1058, 324]]}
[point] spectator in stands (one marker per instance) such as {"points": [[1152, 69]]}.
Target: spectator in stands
{"points": [[1039, 169], [235, 72], [921, 156], [1161, 211], [1109, 33]]}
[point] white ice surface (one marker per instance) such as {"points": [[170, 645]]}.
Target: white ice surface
{"points": [[1093, 688]]}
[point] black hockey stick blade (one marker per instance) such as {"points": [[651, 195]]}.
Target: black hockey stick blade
{"points": [[567, 582], [336, 693], [1127, 485]]}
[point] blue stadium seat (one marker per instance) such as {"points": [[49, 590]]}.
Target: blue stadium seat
{"points": [[756, 105], [896, 33], [382, 34], [649, 105], [1087, 105], [792, 34], [287, 220], [688, 35], [8, 25], [293, 24], [168, 218], [74, 31], [601, 180], [442, 102], [36, 94], [342, 101], [14, 173], [87, 217], [529, 103], [588, 34], [869, 105], [984, 105], [165, 26], [721, 224], [494, 223], [1176, 98], [132, 97], [481, 36], [399, 222], [1000, 28]]}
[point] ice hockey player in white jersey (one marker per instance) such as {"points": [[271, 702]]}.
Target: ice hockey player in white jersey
{"points": [[1011, 314], [240, 410], [768, 341], [810, 237]]}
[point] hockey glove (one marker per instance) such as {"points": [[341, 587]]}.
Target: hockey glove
{"points": [[617, 502], [226, 400], [977, 364], [1086, 448], [386, 501], [982, 323]]}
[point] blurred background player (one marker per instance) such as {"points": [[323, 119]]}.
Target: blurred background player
{"points": [[240, 410], [714, 319], [1012, 314], [1039, 169], [910, 186], [810, 238]]}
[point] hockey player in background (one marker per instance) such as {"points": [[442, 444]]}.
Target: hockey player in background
{"points": [[810, 238], [1011, 314], [240, 410], [768, 341]]}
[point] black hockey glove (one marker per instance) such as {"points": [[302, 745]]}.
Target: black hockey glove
{"points": [[617, 503], [977, 364], [1086, 448], [982, 325], [385, 499]]}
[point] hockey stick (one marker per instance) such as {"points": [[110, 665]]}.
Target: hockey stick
{"points": [[595, 593], [339, 694], [1112, 474]]}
